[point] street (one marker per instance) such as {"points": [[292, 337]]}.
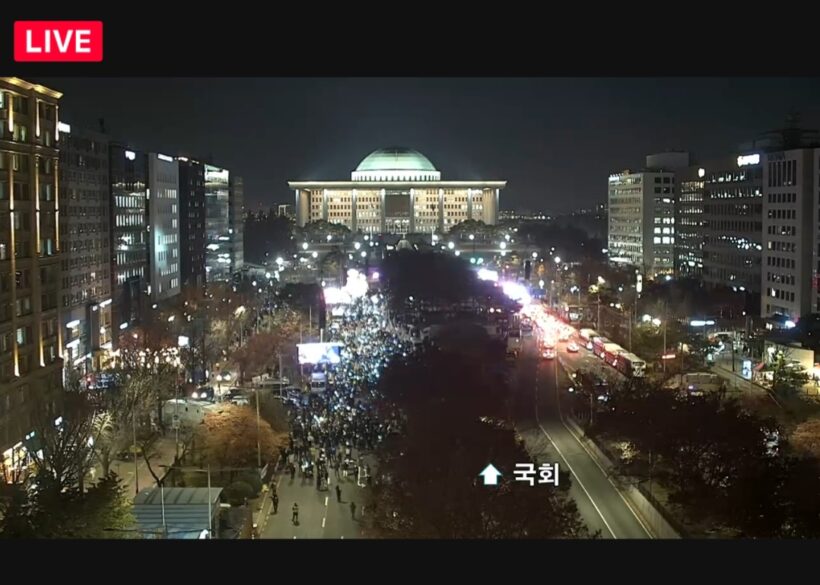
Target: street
{"points": [[539, 421], [320, 515]]}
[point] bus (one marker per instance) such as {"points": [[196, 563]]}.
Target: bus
{"points": [[598, 344], [611, 351], [588, 335], [630, 365]]}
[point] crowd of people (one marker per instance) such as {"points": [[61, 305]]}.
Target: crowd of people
{"points": [[331, 430]]}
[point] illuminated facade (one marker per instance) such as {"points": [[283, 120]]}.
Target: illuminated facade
{"points": [[237, 223], [396, 191], [85, 233], [163, 219], [689, 223], [731, 222], [217, 224], [641, 207], [129, 235], [30, 332]]}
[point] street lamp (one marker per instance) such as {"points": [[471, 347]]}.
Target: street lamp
{"points": [[451, 245], [534, 255], [557, 259], [472, 237], [315, 254], [503, 245], [280, 261], [357, 245], [304, 245]]}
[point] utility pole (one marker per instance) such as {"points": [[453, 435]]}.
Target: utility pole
{"points": [[258, 431], [629, 329], [136, 467]]}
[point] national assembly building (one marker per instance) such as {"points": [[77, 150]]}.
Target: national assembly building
{"points": [[396, 191]]}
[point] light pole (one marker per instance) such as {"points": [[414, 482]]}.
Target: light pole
{"points": [[210, 505]]}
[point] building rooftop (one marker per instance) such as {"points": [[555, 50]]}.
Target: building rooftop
{"points": [[395, 158]]}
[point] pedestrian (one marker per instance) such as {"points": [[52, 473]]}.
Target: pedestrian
{"points": [[275, 501], [292, 472], [353, 510], [338, 494], [295, 518]]}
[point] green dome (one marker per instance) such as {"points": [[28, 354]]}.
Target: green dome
{"points": [[395, 159]]}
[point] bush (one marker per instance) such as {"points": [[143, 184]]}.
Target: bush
{"points": [[253, 479], [238, 492]]}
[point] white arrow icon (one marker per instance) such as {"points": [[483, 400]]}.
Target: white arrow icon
{"points": [[490, 475]]}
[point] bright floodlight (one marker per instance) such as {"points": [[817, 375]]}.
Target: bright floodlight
{"points": [[280, 261], [503, 245], [357, 245], [507, 237], [267, 275], [336, 296], [535, 254], [656, 322], [183, 341], [458, 252], [315, 254], [790, 324], [557, 259], [304, 245], [471, 236], [364, 254], [485, 274], [646, 318], [451, 245], [541, 283], [329, 237]]}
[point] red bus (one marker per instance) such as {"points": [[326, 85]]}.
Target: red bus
{"points": [[598, 344], [631, 365]]}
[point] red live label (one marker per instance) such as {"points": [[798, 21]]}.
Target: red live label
{"points": [[58, 40]]}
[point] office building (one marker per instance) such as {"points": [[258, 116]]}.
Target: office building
{"points": [[30, 280], [790, 233], [396, 191], [237, 223], [217, 224], [689, 223], [86, 248], [163, 222], [192, 222], [641, 232], [129, 235], [731, 223]]}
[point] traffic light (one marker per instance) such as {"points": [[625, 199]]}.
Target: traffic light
{"points": [[527, 269]]}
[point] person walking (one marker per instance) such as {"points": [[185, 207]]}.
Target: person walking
{"points": [[295, 518], [353, 510], [275, 500], [338, 494]]}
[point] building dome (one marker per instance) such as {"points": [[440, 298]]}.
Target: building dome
{"points": [[395, 164]]}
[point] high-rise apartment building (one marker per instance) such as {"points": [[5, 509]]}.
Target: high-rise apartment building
{"points": [[30, 207], [85, 247]]}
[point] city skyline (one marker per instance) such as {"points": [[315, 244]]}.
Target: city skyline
{"points": [[567, 135]]}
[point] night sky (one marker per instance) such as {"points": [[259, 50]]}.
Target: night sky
{"points": [[554, 140]]}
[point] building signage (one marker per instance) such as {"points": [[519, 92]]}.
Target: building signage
{"points": [[748, 159]]}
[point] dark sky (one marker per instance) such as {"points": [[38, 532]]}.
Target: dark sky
{"points": [[555, 140]]}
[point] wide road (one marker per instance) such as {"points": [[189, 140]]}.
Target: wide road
{"points": [[320, 514], [539, 421]]}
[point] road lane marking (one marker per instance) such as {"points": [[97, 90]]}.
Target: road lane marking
{"points": [[323, 521], [572, 471], [325, 501], [595, 460]]}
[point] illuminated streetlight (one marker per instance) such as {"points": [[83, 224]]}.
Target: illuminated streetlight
{"points": [[541, 283], [458, 252], [329, 237], [557, 259], [280, 261], [364, 254], [451, 245], [503, 245], [357, 245], [535, 254], [471, 236], [315, 254], [171, 318], [304, 245]]}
